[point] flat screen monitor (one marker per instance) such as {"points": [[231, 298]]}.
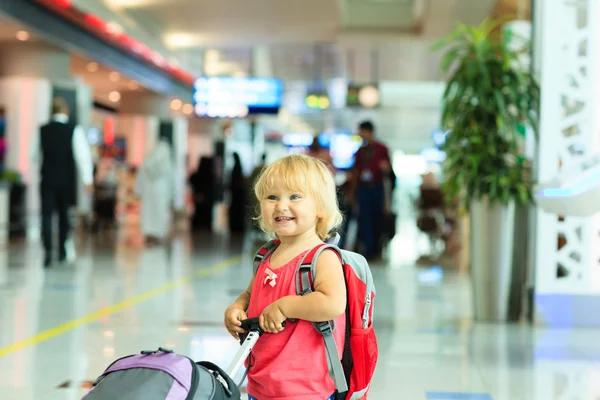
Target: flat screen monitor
{"points": [[228, 97], [342, 145]]}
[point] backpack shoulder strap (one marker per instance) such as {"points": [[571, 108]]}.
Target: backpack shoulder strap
{"points": [[305, 278], [264, 252], [307, 269]]}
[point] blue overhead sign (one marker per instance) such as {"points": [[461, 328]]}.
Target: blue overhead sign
{"points": [[224, 96]]}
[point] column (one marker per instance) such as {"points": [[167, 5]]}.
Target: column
{"points": [[180, 142], [261, 62], [200, 141], [567, 249], [262, 67]]}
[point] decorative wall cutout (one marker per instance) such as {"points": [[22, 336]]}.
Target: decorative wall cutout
{"points": [[566, 246]]}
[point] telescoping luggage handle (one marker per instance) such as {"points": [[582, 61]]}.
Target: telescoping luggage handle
{"points": [[247, 340]]}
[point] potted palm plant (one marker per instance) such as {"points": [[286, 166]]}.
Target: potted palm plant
{"points": [[488, 100]]}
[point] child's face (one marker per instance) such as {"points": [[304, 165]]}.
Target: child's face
{"points": [[289, 213]]}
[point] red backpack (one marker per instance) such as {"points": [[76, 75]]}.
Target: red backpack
{"points": [[353, 373]]}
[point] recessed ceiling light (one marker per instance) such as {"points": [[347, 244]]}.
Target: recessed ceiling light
{"points": [[368, 96], [114, 96], [176, 104], [126, 3], [133, 85], [23, 35], [92, 67], [114, 76], [175, 40], [188, 109]]}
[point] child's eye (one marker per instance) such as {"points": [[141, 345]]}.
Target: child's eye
{"points": [[271, 197], [295, 197]]}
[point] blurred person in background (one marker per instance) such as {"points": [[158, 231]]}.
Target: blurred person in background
{"points": [[60, 145], [370, 187], [203, 183], [319, 152], [105, 193], [155, 186], [237, 190]]}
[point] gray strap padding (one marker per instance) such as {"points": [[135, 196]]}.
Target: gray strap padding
{"points": [[334, 361], [330, 347], [326, 329], [305, 279]]}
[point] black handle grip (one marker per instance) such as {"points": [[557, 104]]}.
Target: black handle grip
{"points": [[252, 325]]}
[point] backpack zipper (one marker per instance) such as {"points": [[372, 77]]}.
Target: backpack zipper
{"points": [[365, 316]]}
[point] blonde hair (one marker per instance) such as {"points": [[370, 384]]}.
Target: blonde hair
{"points": [[308, 175]]}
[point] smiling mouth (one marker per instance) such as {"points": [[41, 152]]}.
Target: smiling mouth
{"points": [[284, 219]]}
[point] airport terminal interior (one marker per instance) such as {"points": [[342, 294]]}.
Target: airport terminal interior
{"points": [[478, 219]]}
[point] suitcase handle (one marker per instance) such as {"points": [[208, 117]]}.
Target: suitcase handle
{"points": [[247, 341], [252, 325]]}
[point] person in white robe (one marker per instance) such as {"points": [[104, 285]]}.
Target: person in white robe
{"points": [[155, 186]]}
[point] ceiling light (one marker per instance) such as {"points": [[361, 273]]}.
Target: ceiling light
{"points": [[368, 96], [23, 35], [176, 104], [114, 96], [188, 109], [133, 85], [92, 67], [114, 76], [179, 40]]}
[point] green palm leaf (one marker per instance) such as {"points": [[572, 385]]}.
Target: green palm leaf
{"points": [[488, 95]]}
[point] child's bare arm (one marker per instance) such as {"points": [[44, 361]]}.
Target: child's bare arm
{"points": [[328, 301]]}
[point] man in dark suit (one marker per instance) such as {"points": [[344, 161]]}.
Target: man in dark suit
{"points": [[59, 147]]}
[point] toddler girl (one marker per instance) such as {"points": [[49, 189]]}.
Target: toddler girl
{"points": [[298, 202]]}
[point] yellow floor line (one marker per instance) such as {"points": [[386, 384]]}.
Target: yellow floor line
{"points": [[60, 329]]}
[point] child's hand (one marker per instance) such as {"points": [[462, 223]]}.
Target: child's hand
{"points": [[234, 316], [271, 318]]}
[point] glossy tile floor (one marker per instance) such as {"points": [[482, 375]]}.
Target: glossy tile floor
{"points": [[61, 327]]}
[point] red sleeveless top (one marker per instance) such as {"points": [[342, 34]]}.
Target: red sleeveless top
{"points": [[292, 364]]}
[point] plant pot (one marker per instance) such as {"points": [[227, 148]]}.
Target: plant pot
{"points": [[492, 230]]}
